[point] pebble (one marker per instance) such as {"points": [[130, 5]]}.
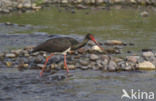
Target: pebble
{"points": [[35, 54], [8, 64], [20, 6], [71, 67], [81, 50], [96, 67], [96, 48], [17, 52], [144, 14], [114, 42], [133, 58], [112, 66], [128, 68], [84, 67], [10, 55], [52, 66], [38, 59], [91, 43], [94, 57], [83, 62], [146, 65], [27, 5], [147, 54], [40, 65], [26, 55]]}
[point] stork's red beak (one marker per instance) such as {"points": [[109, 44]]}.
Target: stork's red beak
{"points": [[93, 39]]}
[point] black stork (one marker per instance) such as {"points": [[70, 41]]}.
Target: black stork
{"points": [[62, 45]]}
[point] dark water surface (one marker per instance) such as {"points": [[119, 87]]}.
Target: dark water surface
{"points": [[81, 86]]}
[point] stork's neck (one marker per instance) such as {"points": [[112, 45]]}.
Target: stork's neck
{"points": [[80, 44]]}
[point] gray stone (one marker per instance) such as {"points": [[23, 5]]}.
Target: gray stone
{"points": [[94, 57], [144, 14], [17, 52], [10, 55], [84, 67], [114, 42], [148, 54], [96, 67], [146, 65], [39, 59], [133, 58], [35, 54], [40, 65], [83, 62], [96, 48], [71, 67], [112, 66]]}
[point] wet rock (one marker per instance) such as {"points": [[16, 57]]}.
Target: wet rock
{"points": [[144, 14], [133, 59], [5, 10], [103, 57], [113, 51], [27, 5], [40, 66], [53, 66], [96, 67], [114, 42], [8, 64], [128, 67], [8, 23], [56, 77], [35, 54], [37, 8], [10, 55], [84, 67], [38, 59], [105, 62], [112, 66], [22, 66], [83, 62], [147, 54], [26, 55], [17, 52], [19, 6], [71, 67], [146, 65], [77, 57], [116, 59], [94, 57], [90, 43], [96, 48], [81, 50]]}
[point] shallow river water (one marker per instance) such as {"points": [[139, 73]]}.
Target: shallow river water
{"points": [[126, 25]]}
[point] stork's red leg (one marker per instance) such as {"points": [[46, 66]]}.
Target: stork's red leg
{"points": [[65, 64], [41, 73]]}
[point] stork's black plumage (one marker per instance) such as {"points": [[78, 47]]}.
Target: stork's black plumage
{"points": [[62, 45]]}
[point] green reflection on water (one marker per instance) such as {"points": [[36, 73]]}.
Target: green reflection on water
{"points": [[125, 24]]}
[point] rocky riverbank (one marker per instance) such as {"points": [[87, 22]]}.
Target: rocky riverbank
{"points": [[7, 6], [88, 58]]}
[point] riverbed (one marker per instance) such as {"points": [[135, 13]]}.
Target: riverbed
{"points": [[82, 85]]}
